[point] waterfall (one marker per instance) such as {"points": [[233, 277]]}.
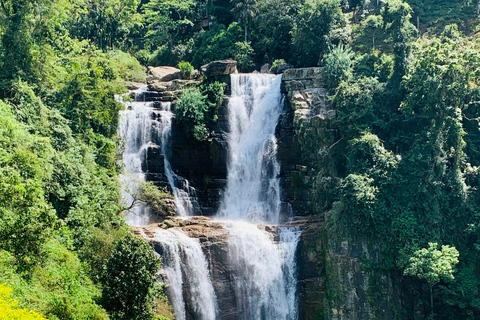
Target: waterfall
{"points": [[261, 259], [142, 125], [264, 271], [188, 276], [253, 189]]}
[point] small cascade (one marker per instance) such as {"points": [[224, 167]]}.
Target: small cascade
{"points": [[253, 188], [189, 286], [185, 201], [142, 125]]}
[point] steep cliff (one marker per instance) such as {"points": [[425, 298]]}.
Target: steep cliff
{"points": [[339, 275]]}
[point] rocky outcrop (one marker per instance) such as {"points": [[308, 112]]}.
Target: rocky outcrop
{"points": [[164, 74], [219, 68], [282, 67], [308, 138]]}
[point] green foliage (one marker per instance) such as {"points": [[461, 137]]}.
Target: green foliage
{"points": [[159, 200], [219, 43], [243, 54], [314, 30], [57, 286], [186, 68], [26, 218], [165, 19], [431, 264], [190, 111], [338, 65], [129, 288], [196, 109], [272, 29], [275, 64], [9, 307], [107, 23]]}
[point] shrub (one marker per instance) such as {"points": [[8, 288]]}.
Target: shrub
{"points": [[9, 307], [191, 111], [275, 64], [243, 54], [338, 65], [129, 288], [197, 108], [186, 68]]}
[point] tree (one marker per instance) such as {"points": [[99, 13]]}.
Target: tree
{"points": [[129, 280], [147, 193], [245, 10], [431, 264], [105, 22], [167, 19], [311, 35]]}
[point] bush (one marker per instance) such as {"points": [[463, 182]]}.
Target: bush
{"points": [[276, 63], [243, 54], [129, 288], [197, 108], [186, 68], [338, 65], [191, 111], [9, 307]]}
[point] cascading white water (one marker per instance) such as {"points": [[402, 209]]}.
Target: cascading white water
{"points": [[183, 201], [141, 124], [135, 127], [187, 269], [264, 271], [253, 189]]}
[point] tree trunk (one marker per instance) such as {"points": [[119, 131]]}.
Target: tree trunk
{"points": [[431, 302]]}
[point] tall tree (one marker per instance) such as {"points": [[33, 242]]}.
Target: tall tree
{"points": [[431, 264], [244, 10]]}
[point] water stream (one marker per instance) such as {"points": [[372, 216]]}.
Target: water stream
{"points": [[188, 275]]}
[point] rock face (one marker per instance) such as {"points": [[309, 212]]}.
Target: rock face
{"points": [[307, 137], [219, 68], [204, 163], [339, 277]]}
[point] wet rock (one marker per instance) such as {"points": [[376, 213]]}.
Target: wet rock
{"points": [[265, 68]]}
